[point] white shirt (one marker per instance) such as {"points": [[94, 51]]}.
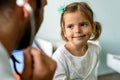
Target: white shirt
{"points": [[70, 67], [5, 68]]}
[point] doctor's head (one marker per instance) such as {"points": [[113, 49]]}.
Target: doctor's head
{"points": [[16, 19]]}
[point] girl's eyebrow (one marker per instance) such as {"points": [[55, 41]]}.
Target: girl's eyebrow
{"points": [[69, 24]]}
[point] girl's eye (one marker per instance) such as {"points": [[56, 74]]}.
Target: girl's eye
{"points": [[84, 24], [70, 26]]}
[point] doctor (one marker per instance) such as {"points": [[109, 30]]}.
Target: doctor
{"points": [[19, 21]]}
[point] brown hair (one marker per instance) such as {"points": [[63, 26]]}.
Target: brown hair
{"points": [[85, 8], [7, 8]]}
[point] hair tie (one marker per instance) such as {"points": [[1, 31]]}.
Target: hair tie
{"points": [[61, 9]]}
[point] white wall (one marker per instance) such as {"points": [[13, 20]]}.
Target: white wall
{"points": [[106, 11]]}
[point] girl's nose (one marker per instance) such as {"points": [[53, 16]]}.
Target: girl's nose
{"points": [[77, 29]]}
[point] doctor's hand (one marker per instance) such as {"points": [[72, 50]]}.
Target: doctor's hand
{"points": [[37, 65]]}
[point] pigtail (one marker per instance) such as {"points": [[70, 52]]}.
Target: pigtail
{"points": [[97, 30]]}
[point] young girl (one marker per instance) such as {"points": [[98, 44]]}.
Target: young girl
{"points": [[77, 59]]}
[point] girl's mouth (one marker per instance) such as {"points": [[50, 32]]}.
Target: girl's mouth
{"points": [[79, 36]]}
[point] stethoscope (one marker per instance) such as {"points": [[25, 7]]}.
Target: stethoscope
{"points": [[32, 19], [22, 3]]}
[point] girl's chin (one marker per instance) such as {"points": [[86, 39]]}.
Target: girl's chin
{"points": [[80, 41]]}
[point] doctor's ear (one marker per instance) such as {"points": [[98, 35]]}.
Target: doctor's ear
{"points": [[25, 5]]}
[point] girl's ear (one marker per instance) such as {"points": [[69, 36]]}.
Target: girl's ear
{"points": [[63, 29]]}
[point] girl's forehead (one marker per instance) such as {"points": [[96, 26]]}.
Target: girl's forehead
{"points": [[75, 15]]}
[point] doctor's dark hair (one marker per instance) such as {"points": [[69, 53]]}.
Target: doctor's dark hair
{"points": [[87, 11], [5, 3], [7, 8]]}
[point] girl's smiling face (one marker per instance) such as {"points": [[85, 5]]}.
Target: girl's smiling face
{"points": [[77, 28]]}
